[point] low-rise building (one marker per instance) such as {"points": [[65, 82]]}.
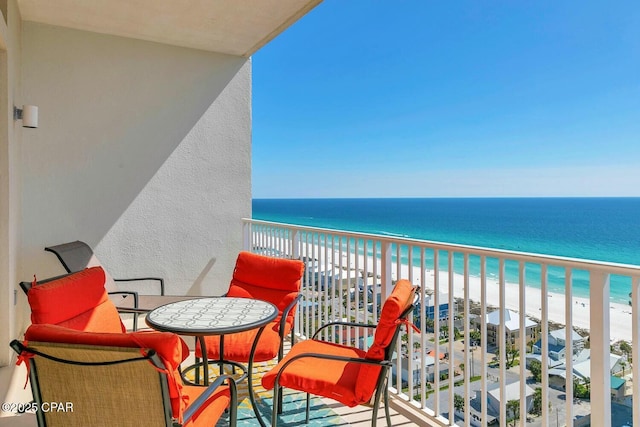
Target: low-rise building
{"points": [[414, 369], [512, 392], [558, 343], [430, 307], [582, 372], [511, 326], [617, 388]]}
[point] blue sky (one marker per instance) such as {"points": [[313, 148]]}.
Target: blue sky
{"points": [[450, 99]]}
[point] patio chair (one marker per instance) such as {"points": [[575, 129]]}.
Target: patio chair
{"points": [[102, 379], [346, 374], [76, 256], [78, 301], [275, 280]]}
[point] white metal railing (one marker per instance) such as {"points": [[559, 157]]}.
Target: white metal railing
{"points": [[346, 271]]}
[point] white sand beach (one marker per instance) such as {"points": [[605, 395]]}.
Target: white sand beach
{"points": [[620, 314]]}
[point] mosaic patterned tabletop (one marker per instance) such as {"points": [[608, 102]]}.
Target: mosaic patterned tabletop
{"points": [[212, 316]]}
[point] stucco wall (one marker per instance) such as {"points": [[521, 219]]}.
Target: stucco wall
{"points": [[10, 143], [143, 151]]}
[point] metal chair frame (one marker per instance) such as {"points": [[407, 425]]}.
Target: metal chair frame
{"points": [[381, 386], [63, 251], [153, 358]]}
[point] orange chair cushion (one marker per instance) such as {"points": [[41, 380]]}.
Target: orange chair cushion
{"points": [[329, 378], [77, 301], [268, 272], [171, 349], [211, 411], [400, 299], [275, 280], [237, 347]]}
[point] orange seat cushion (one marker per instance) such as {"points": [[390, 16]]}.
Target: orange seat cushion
{"points": [[347, 382], [211, 411], [237, 347], [171, 349], [329, 378], [398, 301], [77, 301]]}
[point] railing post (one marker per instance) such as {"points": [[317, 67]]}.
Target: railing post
{"points": [[502, 342], [635, 340], [547, 410], [246, 235], [600, 381], [568, 298], [385, 274], [295, 242]]}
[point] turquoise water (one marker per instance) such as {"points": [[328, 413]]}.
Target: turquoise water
{"points": [[604, 229]]}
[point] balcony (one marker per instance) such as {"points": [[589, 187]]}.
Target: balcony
{"points": [[474, 378], [349, 274]]}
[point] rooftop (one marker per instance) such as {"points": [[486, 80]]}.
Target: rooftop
{"points": [[511, 320]]}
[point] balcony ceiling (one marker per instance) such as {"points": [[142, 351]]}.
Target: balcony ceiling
{"points": [[226, 26]]}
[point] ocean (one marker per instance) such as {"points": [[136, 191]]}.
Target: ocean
{"points": [[604, 229]]}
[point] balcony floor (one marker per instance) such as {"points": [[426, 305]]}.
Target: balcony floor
{"points": [[360, 416]]}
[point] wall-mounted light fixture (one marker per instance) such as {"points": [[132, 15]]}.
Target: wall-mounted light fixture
{"points": [[28, 114]]}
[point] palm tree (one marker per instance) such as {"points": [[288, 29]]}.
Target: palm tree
{"points": [[475, 336], [536, 407], [428, 323], [625, 347], [458, 402], [535, 367], [624, 367], [513, 410]]}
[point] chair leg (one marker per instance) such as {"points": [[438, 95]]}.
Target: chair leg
{"points": [[380, 390], [280, 400], [386, 406], [197, 361], [308, 402], [233, 409], [374, 416], [274, 412]]}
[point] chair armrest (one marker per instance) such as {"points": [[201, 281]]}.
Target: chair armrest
{"points": [[339, 323], [193, 408], [125, 310], [134, 310], [285, 313], [137, 279], [125, 293]]}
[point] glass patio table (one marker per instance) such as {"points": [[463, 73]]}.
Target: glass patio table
{"points": [[203, 317]]}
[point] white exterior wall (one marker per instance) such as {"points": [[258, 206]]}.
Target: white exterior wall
{"points": [[143, 151], [10, 143]]}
